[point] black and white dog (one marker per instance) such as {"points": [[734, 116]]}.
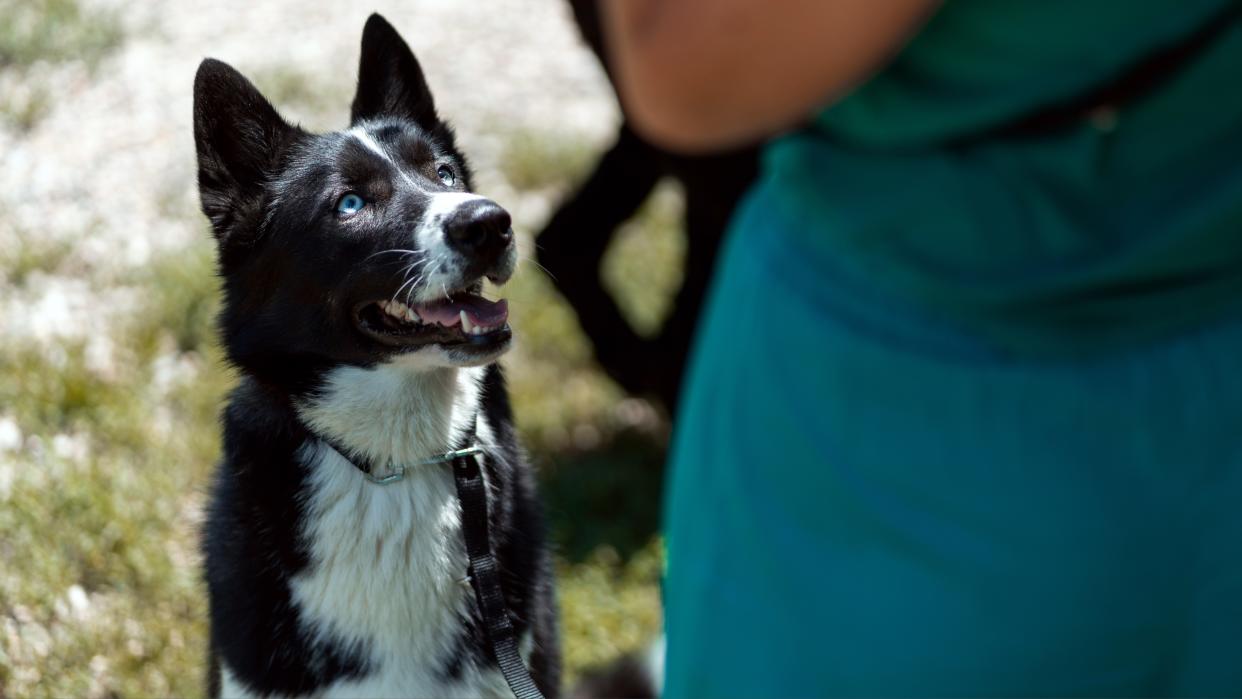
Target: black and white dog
{"points": [[352, 266]]}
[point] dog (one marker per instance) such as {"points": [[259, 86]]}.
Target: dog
{"points": [[352, 266]]}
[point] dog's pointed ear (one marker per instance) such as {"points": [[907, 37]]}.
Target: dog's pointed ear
{"points": [[240, 139], [390, 81]]}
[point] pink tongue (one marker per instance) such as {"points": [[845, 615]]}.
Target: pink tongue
{"points": [[480, 310]]}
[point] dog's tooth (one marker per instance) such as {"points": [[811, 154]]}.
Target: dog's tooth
{"points": [[410, 315], [400, 310], [466, 327]]}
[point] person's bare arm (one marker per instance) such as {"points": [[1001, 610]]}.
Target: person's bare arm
{"points": [[699, 75]]}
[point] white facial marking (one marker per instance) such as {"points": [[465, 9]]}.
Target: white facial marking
{"points": [[443, 267], [365, 138]]}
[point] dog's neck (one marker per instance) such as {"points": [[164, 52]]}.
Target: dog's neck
{"points": [[392, 413], [387, 565]]}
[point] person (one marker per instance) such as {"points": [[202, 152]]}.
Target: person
{"points": [[964, 411]]}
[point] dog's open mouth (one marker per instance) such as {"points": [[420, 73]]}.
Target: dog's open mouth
{"points": [[466, 319]]}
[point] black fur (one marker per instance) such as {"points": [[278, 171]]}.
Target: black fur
{"points": [[291, 277]]}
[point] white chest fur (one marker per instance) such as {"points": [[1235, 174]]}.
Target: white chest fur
{"points": [[388, 566]]}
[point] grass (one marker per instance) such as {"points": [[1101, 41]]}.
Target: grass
{"points": [[311, 101], [29, 254], [535, 161], [98, 514], [55, 31], [645, 292], [99, 505], [24, 108], [37, 32]]}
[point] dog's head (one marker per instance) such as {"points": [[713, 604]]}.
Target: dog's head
{"points": [[359, 246]]}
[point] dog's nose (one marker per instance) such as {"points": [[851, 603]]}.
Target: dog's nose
{"points": [[479, 229]]}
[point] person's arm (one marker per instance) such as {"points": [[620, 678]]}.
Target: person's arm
{"points": [[698, 75]]}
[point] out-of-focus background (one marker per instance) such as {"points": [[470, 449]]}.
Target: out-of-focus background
{"points": [[110, 376]]}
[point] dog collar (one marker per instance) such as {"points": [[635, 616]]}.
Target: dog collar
{"points": [[396, 472]]}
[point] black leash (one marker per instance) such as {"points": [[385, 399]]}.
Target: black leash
{"points": [[485, 578], [484, 575]]}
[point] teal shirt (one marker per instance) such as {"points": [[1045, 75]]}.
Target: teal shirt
{"points": [[964, 420], [1079, 242]]}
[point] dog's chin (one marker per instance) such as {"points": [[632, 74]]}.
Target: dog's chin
{"points": [[471, 357]]}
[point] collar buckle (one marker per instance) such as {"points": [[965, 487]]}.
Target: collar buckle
{"points": [[398, 472]]}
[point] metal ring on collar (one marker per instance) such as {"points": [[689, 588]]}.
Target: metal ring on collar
{"points": [[398, 472]]}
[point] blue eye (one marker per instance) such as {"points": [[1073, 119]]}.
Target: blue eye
{"points": [[446, 176], [350, 204]]}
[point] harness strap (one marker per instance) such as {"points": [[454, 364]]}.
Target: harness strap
{"points": [[484, 578]]}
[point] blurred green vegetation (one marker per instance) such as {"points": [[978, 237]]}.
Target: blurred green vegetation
{"points": [[543, 161], [34, 32], [645, 294], [31, 254], [55, 30], [100, 593], [301, 97], [26, 107]]}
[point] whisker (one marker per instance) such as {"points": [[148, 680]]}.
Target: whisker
{"points": [[400, 289], [409, 268], [535, 262], [409, 295], [395, 251], [411, 282], [426, 274]]}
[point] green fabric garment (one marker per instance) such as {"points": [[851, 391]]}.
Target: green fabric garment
{"points": [[964, 420], [1081, 241], [858, 516]]}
